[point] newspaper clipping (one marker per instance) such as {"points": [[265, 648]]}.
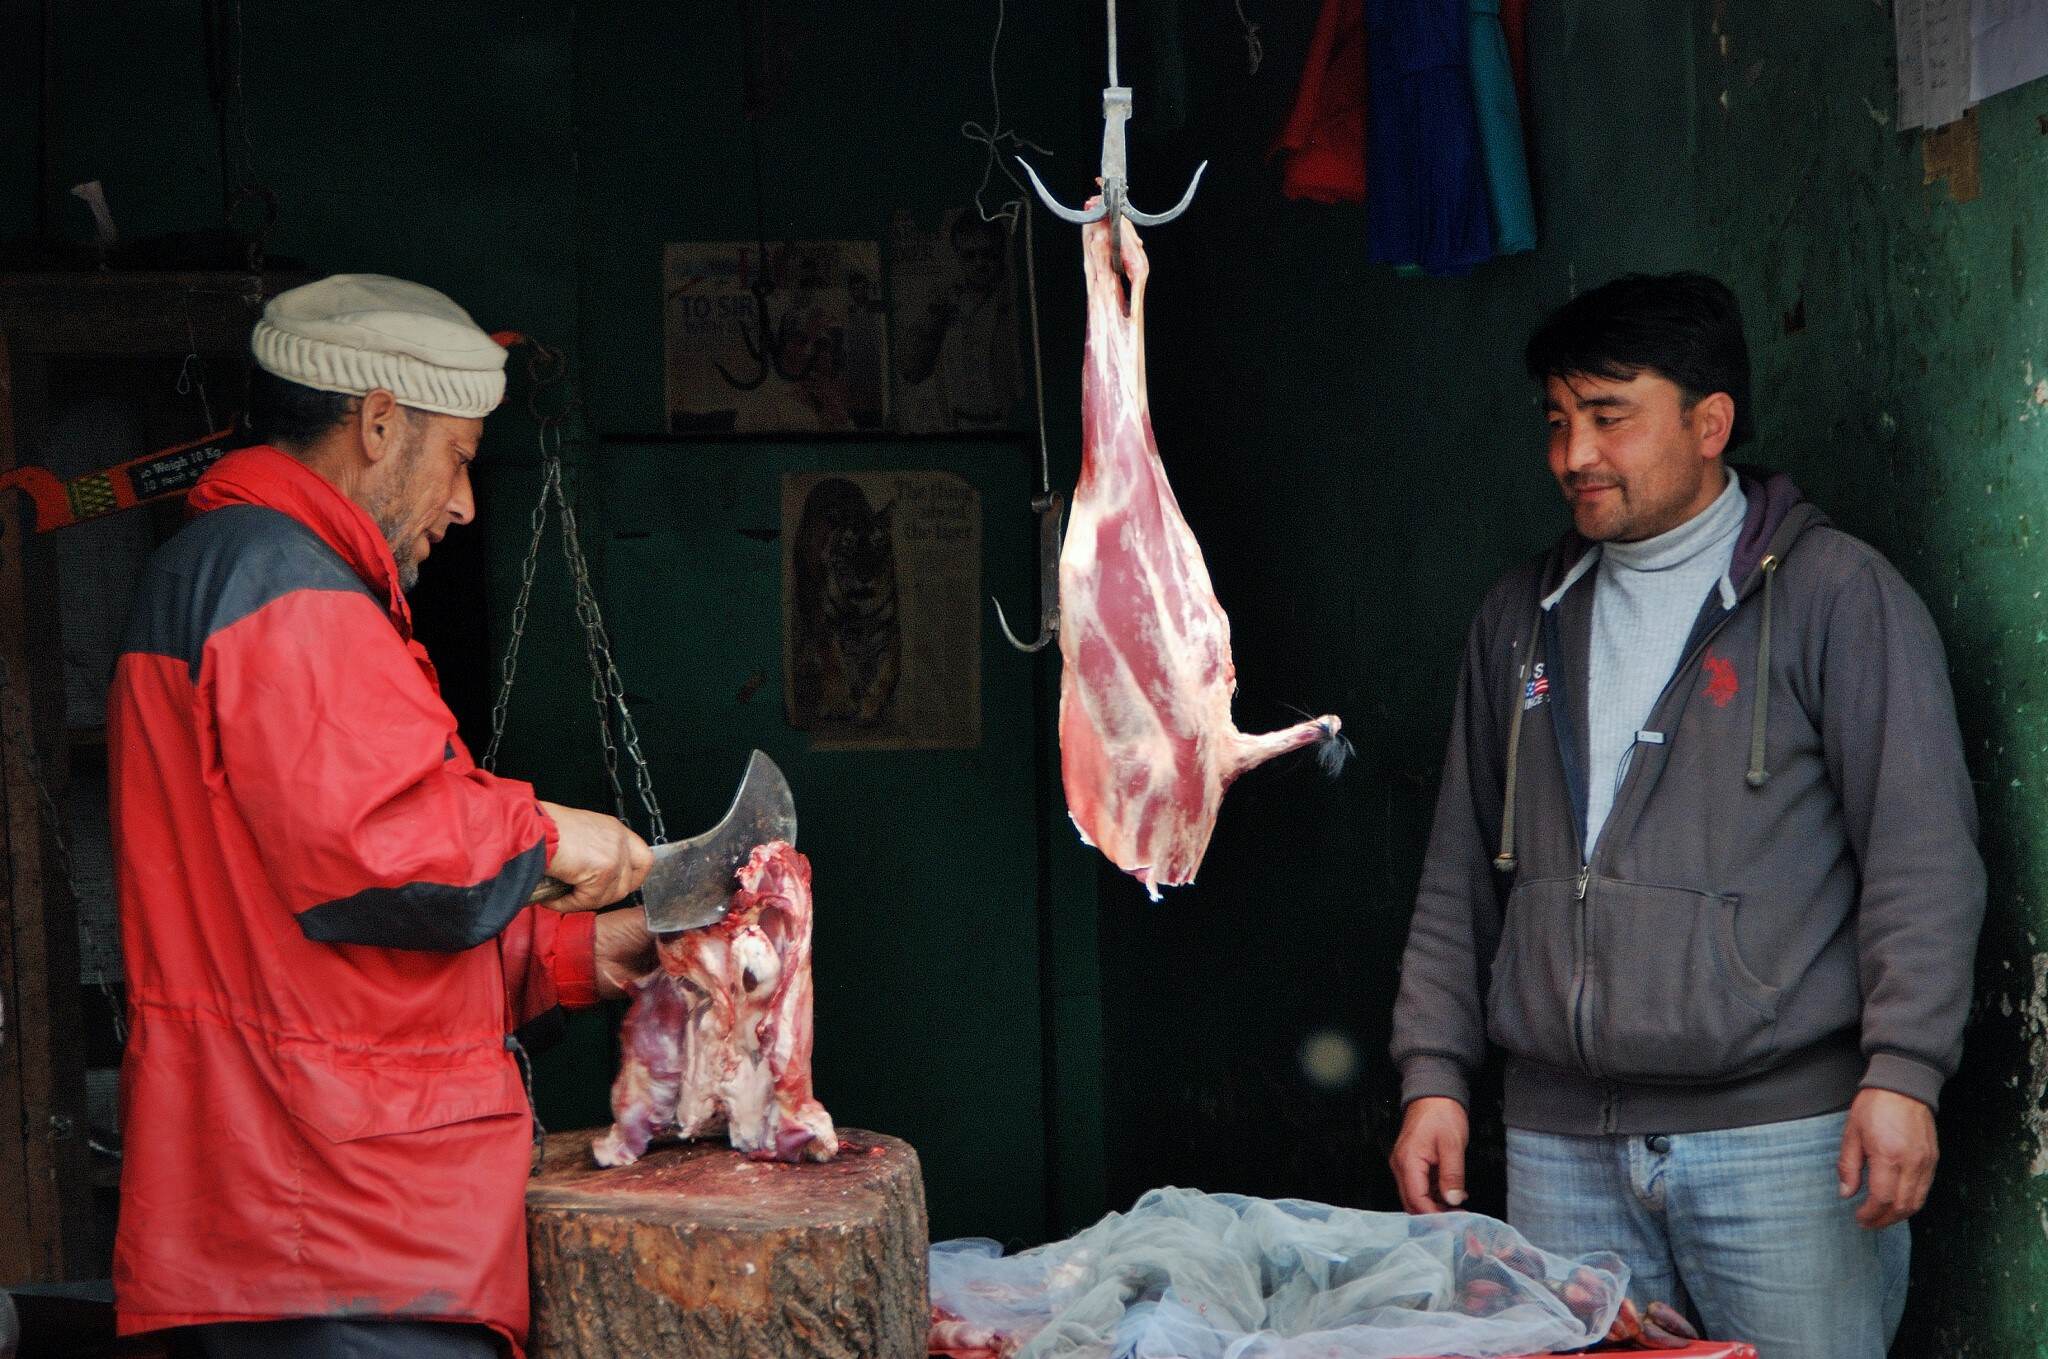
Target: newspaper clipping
{"points": [[881, 591], [809, 355], [953, 299]]}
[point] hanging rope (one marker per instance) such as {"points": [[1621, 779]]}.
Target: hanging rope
{"points": [[192, 372], [241, 183], [996, 139], [994, 136], [1254, 48]]}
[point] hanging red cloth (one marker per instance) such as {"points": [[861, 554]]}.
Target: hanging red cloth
{"points": [[1324, 139], [1514, 21]]}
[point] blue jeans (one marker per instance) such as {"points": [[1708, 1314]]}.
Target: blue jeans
{"points": [[1743, 1228]]}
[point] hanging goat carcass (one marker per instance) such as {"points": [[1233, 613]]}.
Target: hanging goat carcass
{"points": [[1147, 745]]}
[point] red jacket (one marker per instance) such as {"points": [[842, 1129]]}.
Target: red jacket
{"points": [[327, 942]]}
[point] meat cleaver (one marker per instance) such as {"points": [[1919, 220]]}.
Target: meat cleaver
{"points": [[691, 883]]}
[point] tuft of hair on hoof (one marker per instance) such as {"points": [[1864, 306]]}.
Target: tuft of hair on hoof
{"points": [[1334, 751]]}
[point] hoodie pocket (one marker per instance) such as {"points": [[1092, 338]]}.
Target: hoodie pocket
{"points": [[1529, 994], [1668, 997]]}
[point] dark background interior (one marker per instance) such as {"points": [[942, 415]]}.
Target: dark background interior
{"points": [[1356, 451]]}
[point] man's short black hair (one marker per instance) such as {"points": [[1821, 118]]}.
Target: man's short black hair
{"points": [[291, 415], [1685, 327]]}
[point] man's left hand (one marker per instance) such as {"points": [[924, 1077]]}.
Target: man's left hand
{"points": [[625, 950], [1892, 1137]]}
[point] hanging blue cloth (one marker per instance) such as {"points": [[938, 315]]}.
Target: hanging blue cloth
{"points": [[1425, 191], [1500, 133]]}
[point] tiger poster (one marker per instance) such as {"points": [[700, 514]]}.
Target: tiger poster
{"points": [[881, 591]]}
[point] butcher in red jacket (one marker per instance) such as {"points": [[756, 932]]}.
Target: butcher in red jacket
{"points": [[331, 962]]}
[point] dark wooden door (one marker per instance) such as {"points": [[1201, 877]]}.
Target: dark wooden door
{"points": [[95, 369]]}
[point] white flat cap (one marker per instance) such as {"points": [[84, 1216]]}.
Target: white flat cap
{"points": [[353, 333]]}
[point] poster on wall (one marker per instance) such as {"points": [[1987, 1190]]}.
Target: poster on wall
{"points": [[1932, 38], [809, 356], [2008, 45], [953, 299], [1954, 54], [881, 609]]}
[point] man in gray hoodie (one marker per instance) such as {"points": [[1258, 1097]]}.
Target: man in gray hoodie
{"points": [[1703, 865]]}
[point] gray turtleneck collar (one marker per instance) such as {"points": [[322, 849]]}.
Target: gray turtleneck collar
{"points": [[1675, 547]]}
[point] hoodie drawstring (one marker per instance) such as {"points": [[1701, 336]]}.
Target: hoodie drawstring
{"points": [[1760, 713], [1505, 860]]}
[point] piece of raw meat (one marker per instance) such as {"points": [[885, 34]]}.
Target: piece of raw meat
{"points": [[1147, 745], [952, 1338], [719, 1036]]}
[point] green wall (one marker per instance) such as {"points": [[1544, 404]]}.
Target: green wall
{"points": [[1908, 405], [1357, 452]]}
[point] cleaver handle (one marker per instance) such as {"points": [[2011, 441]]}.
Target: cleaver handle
{"points": [[548, 889], [554, 889]]}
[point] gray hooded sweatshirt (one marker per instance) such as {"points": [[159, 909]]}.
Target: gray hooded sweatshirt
{"points": [[1784, 904]]}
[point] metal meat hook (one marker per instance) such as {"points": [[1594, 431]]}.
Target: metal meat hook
{"points": [[767, 342], [1116, 202], [1048, 507]]}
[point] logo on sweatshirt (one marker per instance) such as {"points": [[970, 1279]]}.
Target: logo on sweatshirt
{"points": [[1722, 685], [1536, 690]]}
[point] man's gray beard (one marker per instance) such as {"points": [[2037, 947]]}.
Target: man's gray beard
{"points": [[408, 572], [386, 516]]}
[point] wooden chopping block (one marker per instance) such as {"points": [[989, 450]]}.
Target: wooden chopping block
{"points": [[698, 1253]]}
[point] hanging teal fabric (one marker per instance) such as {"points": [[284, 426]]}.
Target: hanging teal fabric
{"points": [[1500, 132]]}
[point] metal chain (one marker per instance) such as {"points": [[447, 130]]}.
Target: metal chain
{"points": [[607, 689], [53, 822], [550, 469], [586, 613]]}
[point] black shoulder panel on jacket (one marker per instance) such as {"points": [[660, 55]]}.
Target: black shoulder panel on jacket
{"points": [[428, 915], [222, 567]]}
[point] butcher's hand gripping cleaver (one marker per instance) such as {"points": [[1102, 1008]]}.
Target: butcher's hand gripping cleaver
{"points": [[691, 883]]}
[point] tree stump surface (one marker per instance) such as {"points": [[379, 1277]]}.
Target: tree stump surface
{"points": [[696, 1252]]}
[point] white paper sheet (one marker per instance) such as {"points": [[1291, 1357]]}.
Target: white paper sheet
{"points": [[1935, 71], [2008, 45]]}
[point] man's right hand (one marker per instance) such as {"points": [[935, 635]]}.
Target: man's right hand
{"points": [[598, 856], [1429, 1156]]}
